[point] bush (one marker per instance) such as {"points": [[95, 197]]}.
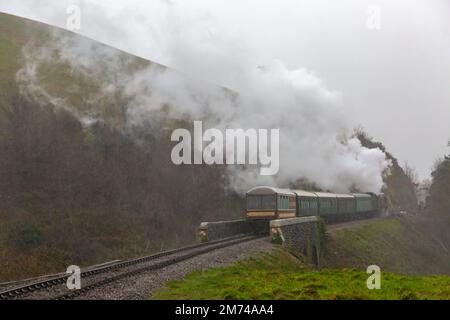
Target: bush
{"points": [[27, 236]]}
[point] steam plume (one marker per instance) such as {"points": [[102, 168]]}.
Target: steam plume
{"points": [[316, 141]]}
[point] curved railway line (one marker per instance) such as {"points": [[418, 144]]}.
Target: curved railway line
{"points": [[55, 288]]}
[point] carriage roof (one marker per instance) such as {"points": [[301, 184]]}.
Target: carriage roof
{"points": [[326, 195], [344, 196], [265, 190], [302, 193], [362, 195]]}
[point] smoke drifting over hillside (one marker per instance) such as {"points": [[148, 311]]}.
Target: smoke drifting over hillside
{"points": [[316, 139]]}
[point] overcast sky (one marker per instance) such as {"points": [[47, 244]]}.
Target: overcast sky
{"points": [[395, 79]]}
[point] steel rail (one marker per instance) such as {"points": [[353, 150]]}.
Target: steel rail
{"points": [[203, 248], [156, 266]]}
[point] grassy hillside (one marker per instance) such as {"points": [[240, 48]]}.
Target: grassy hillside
{"points": [[12, 38], [74, 194], [279, 276], [400, 245], [25, 42]]}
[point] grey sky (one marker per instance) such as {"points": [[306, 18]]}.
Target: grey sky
{"points": [[394, 79]]}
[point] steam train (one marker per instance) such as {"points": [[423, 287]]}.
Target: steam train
{"points": [[276, 203]]}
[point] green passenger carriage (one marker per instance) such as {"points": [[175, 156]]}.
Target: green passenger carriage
{"points": [[277, 203]]}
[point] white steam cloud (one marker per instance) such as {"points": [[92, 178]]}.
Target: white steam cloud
{"points": [[316, 141]]}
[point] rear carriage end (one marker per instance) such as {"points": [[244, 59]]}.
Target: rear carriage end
{"points": [[270, 203]]}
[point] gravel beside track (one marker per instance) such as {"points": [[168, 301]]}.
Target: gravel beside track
{"points": [[97, 278], [142, 286]]}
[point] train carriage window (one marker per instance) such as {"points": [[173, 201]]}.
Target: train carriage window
{"points": [[286, 202], [325, 203], [253, 202], [268, 202], [282, 202]]}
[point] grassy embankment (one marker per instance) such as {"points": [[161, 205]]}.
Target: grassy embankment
{"points": [[401, 245], [280, 276]]}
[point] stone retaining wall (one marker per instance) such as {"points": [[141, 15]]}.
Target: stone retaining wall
{"points": [[300, 236]]}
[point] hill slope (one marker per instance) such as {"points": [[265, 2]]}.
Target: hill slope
{"points": [[77, 194], [402, 245]]}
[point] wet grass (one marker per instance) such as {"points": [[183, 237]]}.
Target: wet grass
{"points": [[399, 245], [279, 276]]}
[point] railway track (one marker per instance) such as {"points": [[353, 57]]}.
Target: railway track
{"points": [[55, 288]]}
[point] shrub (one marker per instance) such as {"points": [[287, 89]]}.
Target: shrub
{"points": [[27, 236]]}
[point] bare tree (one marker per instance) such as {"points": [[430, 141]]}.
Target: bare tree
{"points": [[411, 173]]}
